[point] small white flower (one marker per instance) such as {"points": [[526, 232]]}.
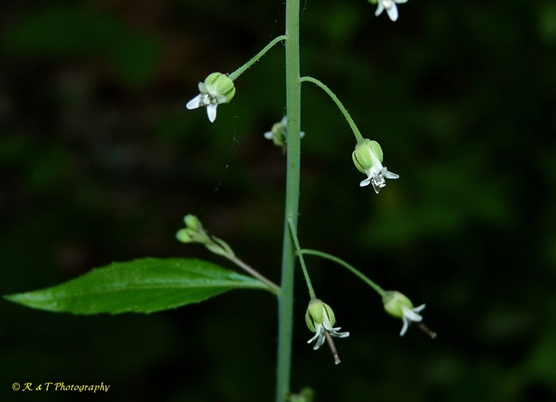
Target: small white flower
{"points": [[376, 175], [216, 89], [320, 336], [390, 7], [410, 315], [320, 319], [367, 157], [398, 305], [279, 132]]}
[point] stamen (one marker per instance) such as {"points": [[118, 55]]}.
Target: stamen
{"points": [[332, 347], [378, 180], [426, 330]]}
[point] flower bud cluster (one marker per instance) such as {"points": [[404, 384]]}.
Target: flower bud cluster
{"points": [[195, 233]]}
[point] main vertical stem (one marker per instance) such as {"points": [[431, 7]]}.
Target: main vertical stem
{"points": [[293, 106]]}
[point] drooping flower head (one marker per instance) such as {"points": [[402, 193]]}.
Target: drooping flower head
{"points": [[320, 319], [216, 89], [398, 305], [367, 158]]}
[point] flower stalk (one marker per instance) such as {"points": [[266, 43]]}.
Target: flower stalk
{"points": [[351, 268], [293, 111], [256, 58], [395, 303], [195, 233], [340, 105], [312, 294]]}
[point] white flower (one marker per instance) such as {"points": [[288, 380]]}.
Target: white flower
{"points": [[398, 305], [367, 158], [410, 315], [376, 175], [216, 89], [320, 319], [390, 7], [279, 132]]}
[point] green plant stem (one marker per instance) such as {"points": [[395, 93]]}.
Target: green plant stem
{"points": [[274, 288], [344, 111], [293, 111], [358, 273], [302, 261], [255, 58]]}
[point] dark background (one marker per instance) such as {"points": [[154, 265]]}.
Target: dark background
{"points": [[100, 161]]}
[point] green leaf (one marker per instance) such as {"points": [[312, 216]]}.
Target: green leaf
{"points": [[141, 286]]}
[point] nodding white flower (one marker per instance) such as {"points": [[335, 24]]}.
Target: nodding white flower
{"points": [[279, 132], [398, 305], [320, 319], [367, 158], [390, 7], [216, 89]]}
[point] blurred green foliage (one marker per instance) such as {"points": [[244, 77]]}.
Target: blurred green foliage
{"points": [[100, 161]]}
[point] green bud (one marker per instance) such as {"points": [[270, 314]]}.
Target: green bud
{"points": [[308, 394], [393, 302], [193, 232], [278, 132], [366, 153], [192, 222], [221, 84], [315, 314], [305, 395], [398, 305], [183, 236]]}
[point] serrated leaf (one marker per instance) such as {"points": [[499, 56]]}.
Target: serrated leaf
{"points": [[141, 286]]}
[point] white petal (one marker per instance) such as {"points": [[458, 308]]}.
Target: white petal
{"points": [[400, 1], [393, 12], [194, 103], [410, 314], [420, 308], [268, 135], [390, 175], [319, 332], [313, 338], [340, 334], [211, 112], [202, 88], [379, 9], [320, 342], [284, 121], [365, 182], [404, 328]]}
